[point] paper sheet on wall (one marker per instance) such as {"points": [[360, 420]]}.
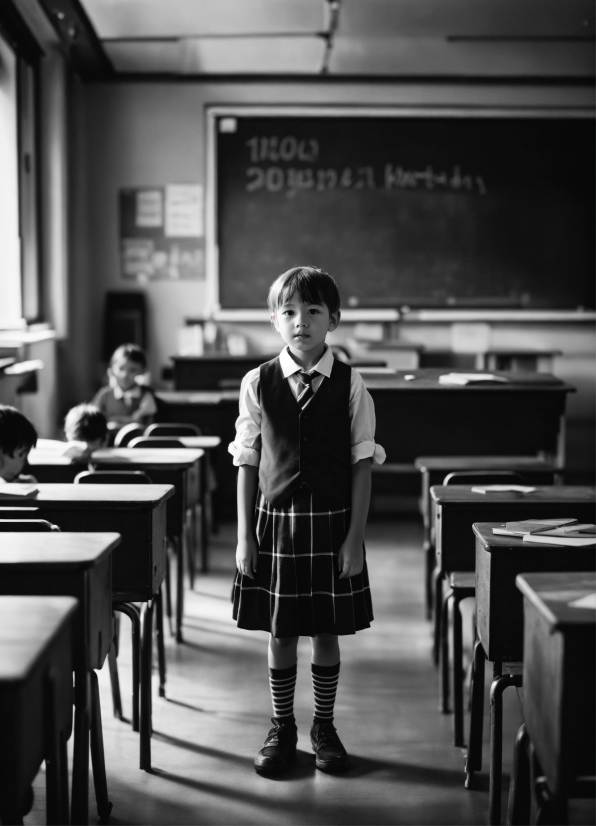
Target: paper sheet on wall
{"points": [[184, 211]]}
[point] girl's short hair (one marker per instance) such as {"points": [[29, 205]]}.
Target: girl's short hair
{"points": [[85, 423], [313, 285], [16, 431], [130, 352]]}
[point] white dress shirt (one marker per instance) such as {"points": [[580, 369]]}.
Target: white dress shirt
{"points": [[246, 447]]}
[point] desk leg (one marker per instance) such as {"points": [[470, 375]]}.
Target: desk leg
{"points": [[204, 507], [104, 807], [115, 681], [458, 678], [499, 684], [56, 769], [131, 611], [179, 586], [190, 537], [474, 755], [438, 603], [444, 653], [161, 649], [146, 658], [518, 804], [80, 763]]}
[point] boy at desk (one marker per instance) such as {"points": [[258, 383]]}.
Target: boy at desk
{"points": [[17, 437], [126, 399], [86, 430]]}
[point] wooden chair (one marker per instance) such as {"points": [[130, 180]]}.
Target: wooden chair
{"points": [[112, 477], [126, 433], [171, 442], [156, 441], [27, 525], [461, 586], [172, 429]]}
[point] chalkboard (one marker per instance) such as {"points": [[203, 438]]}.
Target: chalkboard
{"points": [[426, 211]]}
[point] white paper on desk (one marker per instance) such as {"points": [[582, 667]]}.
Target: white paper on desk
{"points": [[589, 601], [502, 488], [470, 378]]}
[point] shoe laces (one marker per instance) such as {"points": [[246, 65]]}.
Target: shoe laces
{"points": [[326, 735], [275, 734]]}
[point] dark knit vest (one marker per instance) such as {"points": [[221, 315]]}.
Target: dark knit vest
{"points": [[311, 445]]}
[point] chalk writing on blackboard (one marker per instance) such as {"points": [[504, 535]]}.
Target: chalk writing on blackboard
{"points": [[292, 180], [285, 149]]}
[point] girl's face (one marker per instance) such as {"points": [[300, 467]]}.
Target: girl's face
{"points": [[304, 326], [125, 372]]}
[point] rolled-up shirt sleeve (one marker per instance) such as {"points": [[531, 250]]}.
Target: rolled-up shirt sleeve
{"points": [[362, 415], [246, 447]]}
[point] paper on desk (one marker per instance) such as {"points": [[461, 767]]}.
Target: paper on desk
{"points": [[470, 378], [589, 601], [502, 488], [18, 489]]}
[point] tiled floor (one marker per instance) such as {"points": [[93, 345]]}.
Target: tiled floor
{"points": [[404, 770]]}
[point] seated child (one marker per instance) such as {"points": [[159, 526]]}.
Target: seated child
{"points": [[86, 430], [17, 437], [126, 400]]}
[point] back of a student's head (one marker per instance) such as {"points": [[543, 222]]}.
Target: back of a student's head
{"points": [[16, 431], [86, 423], [311, 284]]}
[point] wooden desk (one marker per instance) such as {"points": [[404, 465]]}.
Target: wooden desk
{"points": [[36, 697], [136, 512], [500, 626], [559, 646], [206, 372], [210, 444], [77, 565], [418, 417], [456, 508], [177, 467]]}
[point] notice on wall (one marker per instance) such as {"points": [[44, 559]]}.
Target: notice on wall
{"points": [[162, 233]]}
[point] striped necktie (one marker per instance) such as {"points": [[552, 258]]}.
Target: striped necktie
{"points": [[305, 391]]}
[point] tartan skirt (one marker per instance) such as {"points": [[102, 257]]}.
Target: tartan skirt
{"points": [[297, 590]]}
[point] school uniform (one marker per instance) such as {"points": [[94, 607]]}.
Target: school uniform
{"points": [[304, 455], [138, 403]]}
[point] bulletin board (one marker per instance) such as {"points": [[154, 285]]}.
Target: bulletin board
{"points": [[162, 233]]}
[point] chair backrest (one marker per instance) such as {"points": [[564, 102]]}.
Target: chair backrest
{"points": [[172, 429], [483, 477], [112, 477], [127, 433], [155, 441], [27, 525]]}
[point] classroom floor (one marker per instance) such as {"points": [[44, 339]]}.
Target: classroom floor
{"points": [[404, 769]]}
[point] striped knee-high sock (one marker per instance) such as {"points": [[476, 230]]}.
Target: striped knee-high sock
{"points": [[282, 682], [324, 682]]}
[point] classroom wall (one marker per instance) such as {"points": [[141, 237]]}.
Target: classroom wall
{"points": [[153, 133], [138, 134]]}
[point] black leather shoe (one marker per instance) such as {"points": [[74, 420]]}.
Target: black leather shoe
{"points": [[278, 748], [329, 751]]}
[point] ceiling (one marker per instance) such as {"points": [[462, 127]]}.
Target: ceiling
{"points": [[363, 38]]}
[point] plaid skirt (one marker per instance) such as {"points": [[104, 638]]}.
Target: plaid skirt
{"points": [[297, 590]]}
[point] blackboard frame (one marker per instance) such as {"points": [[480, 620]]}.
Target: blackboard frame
{"points": [[214, 112]]}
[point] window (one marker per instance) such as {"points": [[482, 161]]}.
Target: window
{"points": [[19, 214], [11, 306]]}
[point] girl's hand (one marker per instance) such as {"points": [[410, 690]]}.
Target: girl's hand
{"points": [[246, 556], [350, 559]]}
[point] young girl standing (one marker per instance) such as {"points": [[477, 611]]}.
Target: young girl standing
{"points": [[304, 443]]}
